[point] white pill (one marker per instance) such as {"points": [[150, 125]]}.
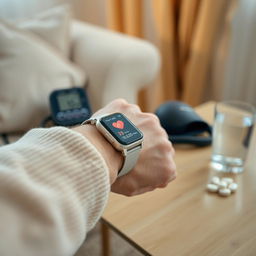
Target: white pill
{"points": [[212, 187], [233, 187], [223, 184], [227, 180], [224, 192], [215, 180]]}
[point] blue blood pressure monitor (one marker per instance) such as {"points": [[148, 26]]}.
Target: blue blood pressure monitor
{"points": [[69, 106]]}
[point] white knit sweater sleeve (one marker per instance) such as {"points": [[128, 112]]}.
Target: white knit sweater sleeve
{"points": [[54, 185]]}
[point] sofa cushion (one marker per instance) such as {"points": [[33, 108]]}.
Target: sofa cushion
{"points": [[29, 70], [53, 26], [12, 10]]}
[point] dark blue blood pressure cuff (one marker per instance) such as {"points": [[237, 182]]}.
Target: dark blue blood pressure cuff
{"points": [[183, 125]]}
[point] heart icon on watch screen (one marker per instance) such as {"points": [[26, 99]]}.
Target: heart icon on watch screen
{"points": [[118, 124]]}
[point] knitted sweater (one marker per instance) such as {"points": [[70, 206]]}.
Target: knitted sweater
{"points": [[54, 185]]}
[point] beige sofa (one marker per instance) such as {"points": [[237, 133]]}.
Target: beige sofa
{"points": [[117, 65]]}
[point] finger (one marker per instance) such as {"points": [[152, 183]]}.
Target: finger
{"points": [[174, 173], [136, 108], [120, 102], [132, 111], [117, 105]]}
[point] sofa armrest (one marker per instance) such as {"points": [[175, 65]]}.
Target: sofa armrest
{"points": [[117, 65]]}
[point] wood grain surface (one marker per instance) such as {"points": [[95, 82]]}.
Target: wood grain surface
{"points": [[184, 219]]}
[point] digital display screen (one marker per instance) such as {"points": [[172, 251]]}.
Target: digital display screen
{"points": [[121, 128], [69, 101]]}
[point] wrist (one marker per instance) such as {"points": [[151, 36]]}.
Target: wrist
{"points": [[112, 157]]}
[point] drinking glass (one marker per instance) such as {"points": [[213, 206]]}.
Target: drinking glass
{"points": [[232, 132]]}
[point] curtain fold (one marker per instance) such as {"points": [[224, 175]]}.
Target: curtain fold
{"points": [[240, 78], [115, 15], [208, 21], [132, 13], [187, 32], [188, 14], [165, 24]]}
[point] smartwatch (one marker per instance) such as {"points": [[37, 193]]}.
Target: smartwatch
{"points": [[123, 135]]}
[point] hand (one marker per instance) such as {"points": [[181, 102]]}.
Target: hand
{"points": [[155, 167]]}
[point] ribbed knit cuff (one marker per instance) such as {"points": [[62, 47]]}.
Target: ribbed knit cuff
{"points": [[85, 169], [58, 177]]}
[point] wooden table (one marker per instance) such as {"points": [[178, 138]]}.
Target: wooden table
{"points": [[184, 219]]}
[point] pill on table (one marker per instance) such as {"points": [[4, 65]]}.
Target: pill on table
{"points": [[223, 184], [233, 187], [225, 192], [215, 180], [227, 180], [212, 187]]}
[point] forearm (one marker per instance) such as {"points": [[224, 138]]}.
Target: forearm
{"points": [[54, 186]]}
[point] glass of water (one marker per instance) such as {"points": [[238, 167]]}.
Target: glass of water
{"points": [[232, 131]]}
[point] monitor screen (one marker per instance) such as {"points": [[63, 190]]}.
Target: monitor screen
{"points": [[69, 101]]}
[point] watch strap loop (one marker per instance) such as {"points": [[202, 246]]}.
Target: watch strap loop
{"points": [[89, 121]]}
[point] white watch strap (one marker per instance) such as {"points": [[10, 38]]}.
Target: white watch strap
{"points": [[130, 160]]}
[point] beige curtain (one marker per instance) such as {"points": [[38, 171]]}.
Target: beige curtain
{"points": [[188, 32]]}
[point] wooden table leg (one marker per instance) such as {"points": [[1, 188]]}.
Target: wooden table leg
{"points": [[105, 239]]}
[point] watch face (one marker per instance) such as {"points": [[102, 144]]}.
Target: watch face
{"points": [[121, 128]]}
